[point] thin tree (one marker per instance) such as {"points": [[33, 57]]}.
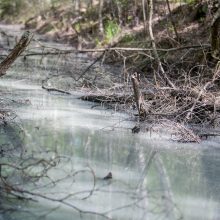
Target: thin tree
{"points": [[172, 20], [156, 56], [101, 28], [144, 16], [215, 31]]}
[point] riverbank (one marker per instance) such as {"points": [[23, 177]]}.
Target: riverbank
{"points": [[176, 88]]}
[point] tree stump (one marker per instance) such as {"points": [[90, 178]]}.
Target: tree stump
{"points": [[138, 97]]}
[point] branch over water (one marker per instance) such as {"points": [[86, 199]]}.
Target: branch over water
{"points": [[15, 53]]}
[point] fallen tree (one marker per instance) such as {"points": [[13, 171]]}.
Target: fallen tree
{"points": [[16, 52]]}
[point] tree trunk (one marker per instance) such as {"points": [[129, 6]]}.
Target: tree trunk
{"points": [[172, 21], [14, 54], [77, 7], [156, 55], [101, 28], [138, 97], [215, 33]]}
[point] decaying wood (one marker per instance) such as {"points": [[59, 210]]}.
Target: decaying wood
{"points": [[216, 76], [172, 20], [113, 98], [156, 56], [14, 54], [179, 132], [58, 52], [215, 31], [139, 100], [52, 89]]}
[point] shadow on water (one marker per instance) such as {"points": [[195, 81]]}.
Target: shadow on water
{"points": [[211, 170], [12, 139]]}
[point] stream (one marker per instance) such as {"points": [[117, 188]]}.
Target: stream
{"points": [[153, 177]]}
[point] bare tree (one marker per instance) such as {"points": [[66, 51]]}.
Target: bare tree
{"points": [[14, 54], [172, 20], [77, 6], [144, 15], [215, 30], [101, 28], [157, 58]]}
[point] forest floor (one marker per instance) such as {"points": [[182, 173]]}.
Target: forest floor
{"points": [[179, 90]]}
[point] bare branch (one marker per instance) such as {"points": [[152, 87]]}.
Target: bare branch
{"points": [[15, 53], [167, 80]]}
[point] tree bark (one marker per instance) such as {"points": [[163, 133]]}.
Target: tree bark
{"points": [[77, 7], [156, 56], [144, 16], [138, 97], [172, 20], [215, 32], [101, 28], [14, 54]]}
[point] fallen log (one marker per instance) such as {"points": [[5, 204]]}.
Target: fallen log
{"points": [[113, 98], [15, 53], [53, 89]]}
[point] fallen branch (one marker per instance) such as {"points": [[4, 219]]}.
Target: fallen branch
{"points": [[216, 76], [92, 64], [112, 98], [52, 89], [101, 50], [15, 53]]}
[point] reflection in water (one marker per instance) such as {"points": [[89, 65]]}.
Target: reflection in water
{"points": [[12, 134], [211, 165]]}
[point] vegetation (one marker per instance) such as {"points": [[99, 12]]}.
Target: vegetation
{"points": [[165, 42], [165, 56]]}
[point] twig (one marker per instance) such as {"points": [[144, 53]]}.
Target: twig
{"points": [[101, 50], [50, 89], [93, 63], [197, 99], [172, 20], [216, 76], [155, 48]]}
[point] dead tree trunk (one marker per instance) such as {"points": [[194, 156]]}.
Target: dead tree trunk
{"points": [[101, 28], [215, 33], [14, 54], [138, 97], [156, 55], [77, 7], [144, 16], [172, 21]]}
